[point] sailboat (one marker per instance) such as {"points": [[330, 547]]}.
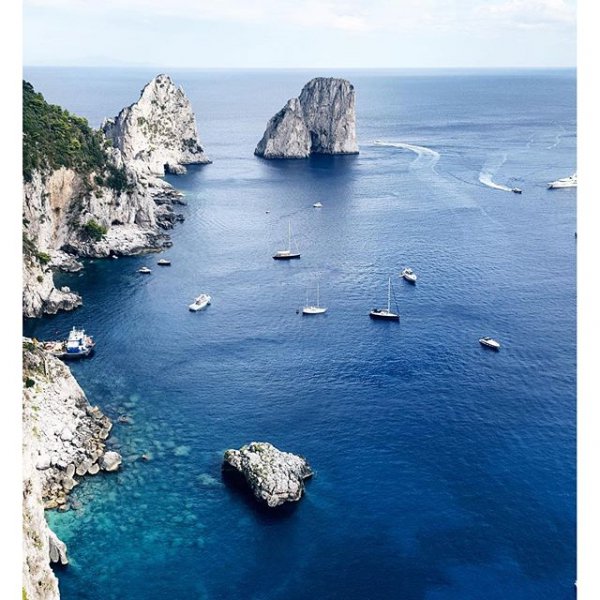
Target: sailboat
{"points": [[314, 309], [287, 254], [385, 313]]}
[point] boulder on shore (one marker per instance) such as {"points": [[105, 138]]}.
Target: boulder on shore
{"points": [[275, 477]]}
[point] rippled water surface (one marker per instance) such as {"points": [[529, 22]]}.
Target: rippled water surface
{"points": [[444, 471]]}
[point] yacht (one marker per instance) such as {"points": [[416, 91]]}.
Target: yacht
{"points": [[565, 182], [489, 343], [385, 313], [314, 309], [287, 254], [164, 262], [317, 205], [144, 270], [409, 275], [77, 345], [202, 301], [517, 191]]}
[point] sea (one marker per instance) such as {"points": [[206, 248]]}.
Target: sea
{"points": [[443, 470]]}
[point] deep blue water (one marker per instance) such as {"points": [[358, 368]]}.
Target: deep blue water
{"points": [[443, 471]]}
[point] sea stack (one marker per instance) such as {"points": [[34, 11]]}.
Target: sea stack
{"points": [[322, 120], [275, 477], [158, 133]]}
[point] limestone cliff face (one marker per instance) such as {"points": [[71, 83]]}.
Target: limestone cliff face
{"points": [[158, 133], [119, 208], [63, 440], [321, 121]]}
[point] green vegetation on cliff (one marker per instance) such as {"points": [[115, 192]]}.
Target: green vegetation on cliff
{"points": [[54, 138]]}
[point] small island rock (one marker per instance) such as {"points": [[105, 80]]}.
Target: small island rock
{"points": [[275, 477], [110, 461]]}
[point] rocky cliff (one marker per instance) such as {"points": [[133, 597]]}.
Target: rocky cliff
{"points": [[83, 197], [63, 440], [157, 134], [321, 121]]}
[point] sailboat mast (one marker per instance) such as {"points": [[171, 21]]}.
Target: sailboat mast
{"points": [[389, 292], [317, 293], [290, 236]]}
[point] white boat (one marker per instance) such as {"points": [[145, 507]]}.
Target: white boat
{"points": [[287, 254], [489, 343], [314, 309], [77, 345], [202, 301], [164, 262], [565, 182], [409, 275], [317, 205], [385, 313], [144, 270]]}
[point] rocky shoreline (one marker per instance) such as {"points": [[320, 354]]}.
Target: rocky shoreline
{"points": [[120, 209], [63, 441]]}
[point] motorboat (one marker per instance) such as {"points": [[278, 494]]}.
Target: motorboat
{"points": [[315, 309], [516, 191], [164, 262], [489, 343], [385, 313], [77, 345], [145, 270], [565, 182], [317, 205], [287, 254], [202, 301], [409, 275]]}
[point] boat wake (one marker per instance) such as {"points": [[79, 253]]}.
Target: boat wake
{"points": [[488, 171], [426, 157]]}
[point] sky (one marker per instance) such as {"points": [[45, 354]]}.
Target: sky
{"points": [[300, 33]]}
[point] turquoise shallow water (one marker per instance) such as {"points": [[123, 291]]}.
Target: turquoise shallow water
{"points": [[443, 471]]}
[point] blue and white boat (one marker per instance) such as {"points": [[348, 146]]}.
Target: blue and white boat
{"points": [[77, 345]]}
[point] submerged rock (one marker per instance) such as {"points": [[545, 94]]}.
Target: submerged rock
{"points": [[275, 477], [321, 121]]}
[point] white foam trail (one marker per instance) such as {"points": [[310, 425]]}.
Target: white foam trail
{"points": [[487, 172], [557, 138], [426, 157]]}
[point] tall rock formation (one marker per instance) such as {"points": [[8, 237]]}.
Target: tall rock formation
{"points": [[157, 134], [88, 196], [321, 121]]}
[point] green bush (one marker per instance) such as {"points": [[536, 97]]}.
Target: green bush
{"points": [[54, 138], [95, 230], [29, 382], [43, 257]]}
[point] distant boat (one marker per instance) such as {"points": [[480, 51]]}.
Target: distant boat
{"points": [[409, 275], [287, 254], [489, 343], [565, 182], [517, 191], [386, 313], [164, 262], [202, 301], [317, 205], [314, 309], [144, 270]]}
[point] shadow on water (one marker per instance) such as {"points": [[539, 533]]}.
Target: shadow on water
{"points": [[236, 486], [316, 165]]}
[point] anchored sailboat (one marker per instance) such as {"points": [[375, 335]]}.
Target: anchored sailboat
{"points": [[386, 313], [287, 254], [314, 309]]}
